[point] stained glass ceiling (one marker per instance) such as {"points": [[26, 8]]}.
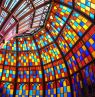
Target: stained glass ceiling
{"points": [[55, 57], [20, 17]]}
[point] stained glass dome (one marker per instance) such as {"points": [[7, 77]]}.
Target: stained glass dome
{"points": [[47, 48]]}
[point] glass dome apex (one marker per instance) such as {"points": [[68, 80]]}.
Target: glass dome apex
{"points": [[22, 16], [56, 61]]}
